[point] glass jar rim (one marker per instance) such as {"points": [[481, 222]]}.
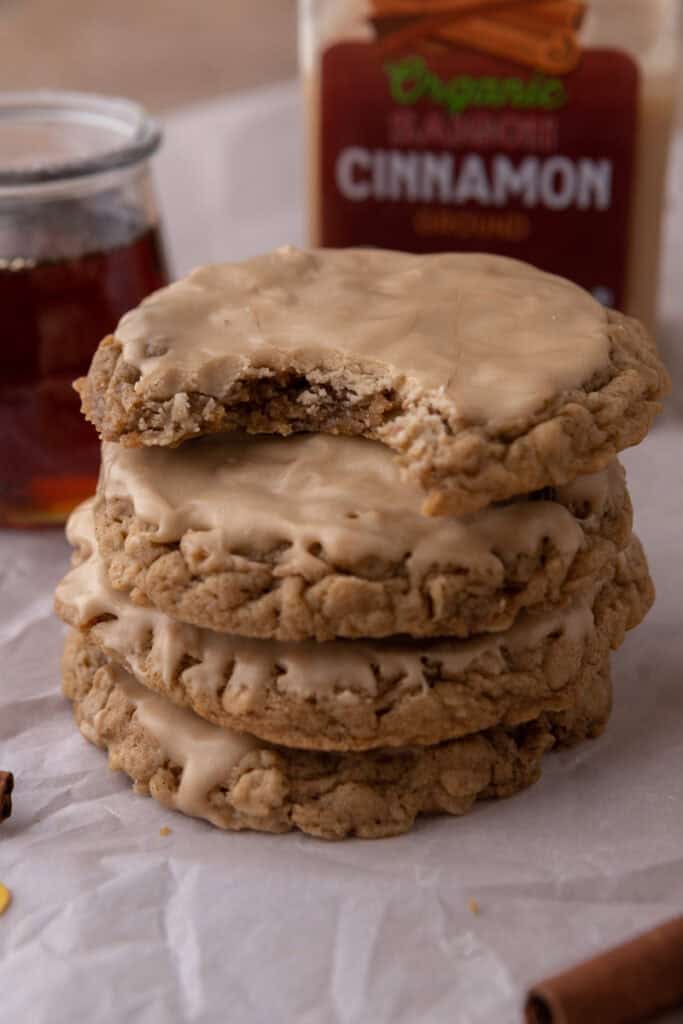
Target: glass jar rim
{"points": [[133, 134]]}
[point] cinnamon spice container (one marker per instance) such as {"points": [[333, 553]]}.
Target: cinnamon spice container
{"points": [[536, 129]]}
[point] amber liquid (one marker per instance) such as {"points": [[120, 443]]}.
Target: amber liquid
{"points": [[53, 313]]}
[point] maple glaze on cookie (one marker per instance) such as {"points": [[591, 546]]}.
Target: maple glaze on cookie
{"points": [[237, 782], [360, 694], [488, 377], [314, 537]]}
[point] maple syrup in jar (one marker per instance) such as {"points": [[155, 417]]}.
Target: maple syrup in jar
{"points": [[80, 245]]}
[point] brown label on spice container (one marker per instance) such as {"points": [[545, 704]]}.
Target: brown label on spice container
{"points": [[472, 129]]}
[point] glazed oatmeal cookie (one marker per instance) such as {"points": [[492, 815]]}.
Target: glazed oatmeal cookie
{"points": [[488, 377]]}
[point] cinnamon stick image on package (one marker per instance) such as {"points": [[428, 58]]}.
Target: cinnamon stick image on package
{"points": [[397, 35], [565, 13], [425, 8], [535, 33], [553, 52], [533, 15], [626, 985], [404, 23]]}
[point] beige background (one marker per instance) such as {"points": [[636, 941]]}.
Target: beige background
{"points": [[164, 53]]}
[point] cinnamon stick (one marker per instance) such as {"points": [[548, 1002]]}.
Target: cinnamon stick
{"points": [[627, 985], [396, 36], [555, 52], [568, 13], [398, 33]]}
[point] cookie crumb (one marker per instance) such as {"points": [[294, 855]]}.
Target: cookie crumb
{"points": [[5, 898], [6, 787], [165, 831], [473, 907]]}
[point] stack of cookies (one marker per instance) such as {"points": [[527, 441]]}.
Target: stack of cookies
{"points": [[361, 545]]}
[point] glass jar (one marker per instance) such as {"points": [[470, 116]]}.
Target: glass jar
{"points": [[79, 246]]}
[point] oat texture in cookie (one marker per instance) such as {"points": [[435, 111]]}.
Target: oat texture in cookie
{"points": [[487, 376], [359, 695], [237, 782], [316, 536]]}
